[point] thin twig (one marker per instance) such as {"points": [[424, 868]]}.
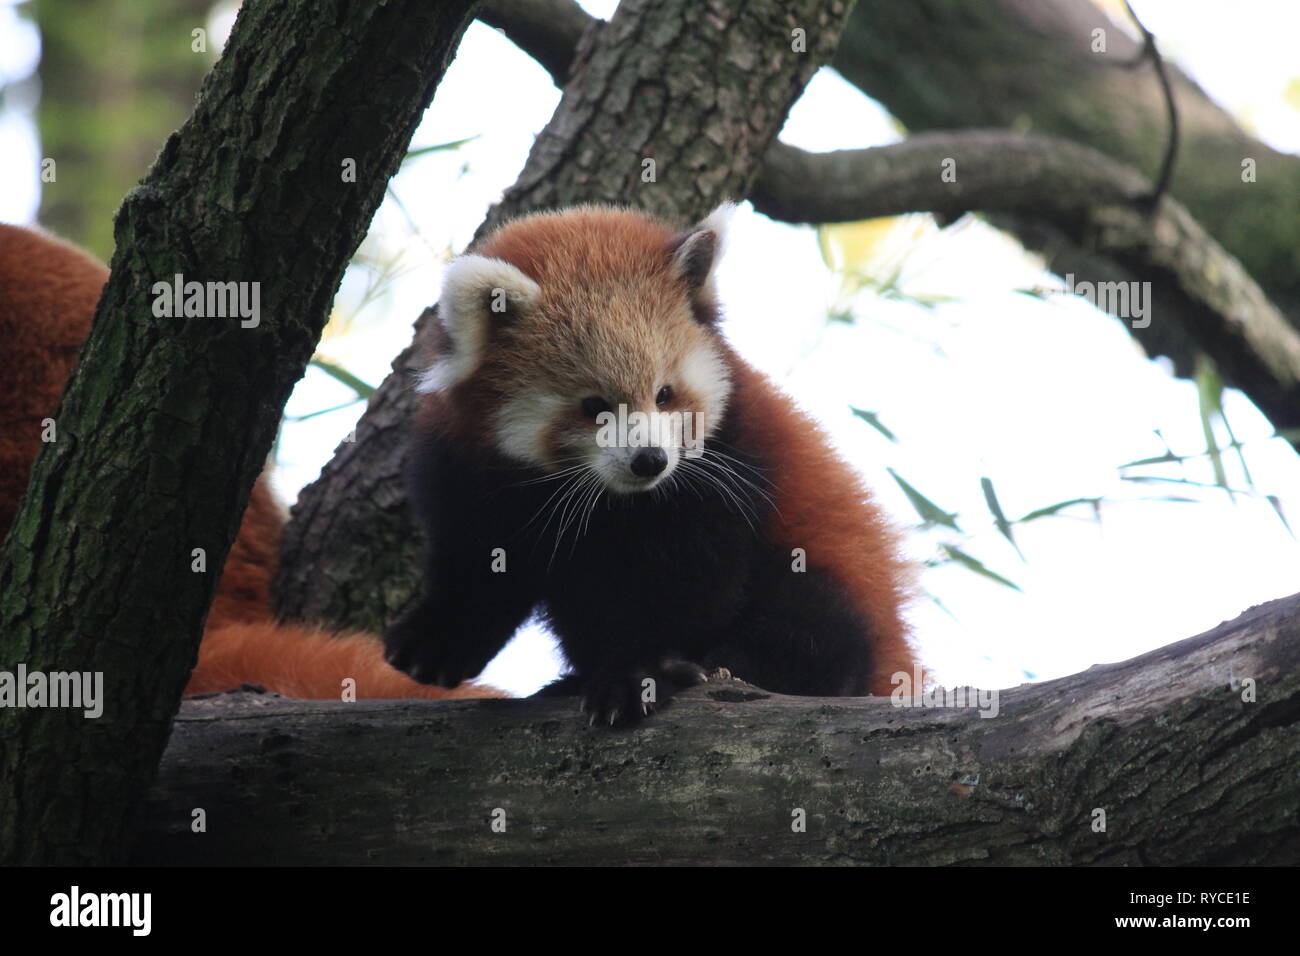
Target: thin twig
{"points": [[1150, 51]]}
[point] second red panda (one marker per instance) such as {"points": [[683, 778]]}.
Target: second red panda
{"points": [[726, 532], [48, 292]]}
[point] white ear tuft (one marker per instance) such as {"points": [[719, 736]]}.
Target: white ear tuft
{"points": [[719, 223], [476, 291], [697, 251]]}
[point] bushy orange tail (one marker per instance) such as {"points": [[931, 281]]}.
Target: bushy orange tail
{"points": [[307, 663], [48, 292]]}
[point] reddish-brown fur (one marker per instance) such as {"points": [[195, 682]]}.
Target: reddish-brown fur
{"points": [[48, 293], [306, 662], [610, 300], [859, 549]]}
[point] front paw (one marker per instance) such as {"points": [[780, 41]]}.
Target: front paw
{"points": [[411, 647], [625, 695]]}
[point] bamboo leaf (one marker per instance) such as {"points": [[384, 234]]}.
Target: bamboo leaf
{"points": [[873, 419], [324, 411], [1155, 479], [362, 388], [1167, 458], [931, 514], [1059, 506], [1209, 391], [1277, 506], [437, 148], [974, 564], [999, 519]]}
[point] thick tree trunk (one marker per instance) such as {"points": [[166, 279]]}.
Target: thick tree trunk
{"points": [[166, 422], [1186, 755], [700, 89]]}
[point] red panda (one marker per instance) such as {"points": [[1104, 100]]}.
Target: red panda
{"points": [[48, 293], [726, 533]]}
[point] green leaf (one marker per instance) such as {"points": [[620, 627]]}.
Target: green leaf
{"points": [[999, 519], [943, 607], [363, 389], [1167, 458], [324, 411], [1209, 392], [438, 148], [873, 419], [1155, 479], [931, 514], [964, 559], [1059, 506], [1277, 506]]}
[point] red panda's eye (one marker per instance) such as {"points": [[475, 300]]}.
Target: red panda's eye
{"points": [[593, 406], [665, 395]]}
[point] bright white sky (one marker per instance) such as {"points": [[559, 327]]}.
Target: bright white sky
{"points": [[1045, 398]]}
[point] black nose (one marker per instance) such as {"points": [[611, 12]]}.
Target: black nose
{"points": [[648, 462]]}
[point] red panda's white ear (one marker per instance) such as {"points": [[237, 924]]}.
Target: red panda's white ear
{"points": [[476, 291], [697, 251]]}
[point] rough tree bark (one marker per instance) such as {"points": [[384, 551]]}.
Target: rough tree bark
{"points": [[1191, 752], [700, 89], [165, 423]]}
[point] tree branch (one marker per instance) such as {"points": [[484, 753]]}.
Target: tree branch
{"points": [[1098, 202], [1151, 52], [1031, 65], [1186, 769], [547, 30]]}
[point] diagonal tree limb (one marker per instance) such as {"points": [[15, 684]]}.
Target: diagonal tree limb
{"points": [[1030, 65], [1098, 202], [166, 422]]}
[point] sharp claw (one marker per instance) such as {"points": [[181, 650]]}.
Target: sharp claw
{"points": [[613, 716]]}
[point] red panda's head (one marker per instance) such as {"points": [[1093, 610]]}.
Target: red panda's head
{"points": [[587, 339]]}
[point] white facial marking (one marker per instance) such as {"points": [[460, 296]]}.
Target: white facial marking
{"points": [[705, 375], [522, 422]]}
